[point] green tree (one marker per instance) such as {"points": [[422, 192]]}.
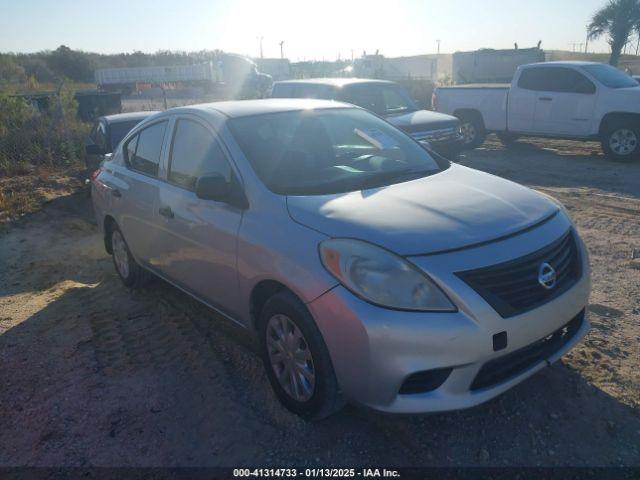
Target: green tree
{"points": [[10, 71], [71, 64], [618, 20]]}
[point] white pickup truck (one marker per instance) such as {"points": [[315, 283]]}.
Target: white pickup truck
{"points": [[572, 100]]}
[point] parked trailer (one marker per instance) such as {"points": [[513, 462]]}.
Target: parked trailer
{"points": [[114, 77], [492, 66], [234, 74]]}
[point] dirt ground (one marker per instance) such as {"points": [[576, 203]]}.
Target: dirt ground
{"points": [[28, 190], [94, 374]]}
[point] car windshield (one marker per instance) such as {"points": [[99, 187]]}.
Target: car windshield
{"points": [[119, 130], [325, 151], [610, 77]]}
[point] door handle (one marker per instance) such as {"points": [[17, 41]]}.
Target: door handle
{"points": [[545, 99], [166, 212], [116, 193]]}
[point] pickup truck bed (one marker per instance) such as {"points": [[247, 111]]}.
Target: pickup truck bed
{"points": [[489, 99]]}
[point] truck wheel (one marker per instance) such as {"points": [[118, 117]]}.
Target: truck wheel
{"points": [[296, 358], [507, 138], [621, 142], [473, 131]]}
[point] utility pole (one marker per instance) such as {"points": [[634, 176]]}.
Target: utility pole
{"points": [[586, 44], [260, 41], [281, 50], [438, 42]]}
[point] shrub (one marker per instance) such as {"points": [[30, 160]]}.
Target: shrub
{"points": [[54, 137]]}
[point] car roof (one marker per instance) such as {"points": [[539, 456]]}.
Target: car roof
{"points": [[245, 108], [127, 117], [559, 63], [335, 82]]}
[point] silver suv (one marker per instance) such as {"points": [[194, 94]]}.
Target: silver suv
{"points": [[369, 270]]}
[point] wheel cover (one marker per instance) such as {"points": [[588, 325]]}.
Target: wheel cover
{"points": [[120, 254], [468, 132], [623, 141], [290, 358]]}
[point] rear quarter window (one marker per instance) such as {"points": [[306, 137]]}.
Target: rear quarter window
{"points": [[144, 149]]}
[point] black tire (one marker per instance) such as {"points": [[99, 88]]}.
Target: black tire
{"points": [[134, 276], [620, 141], [325, 398], [507, 138], [473, 130]]}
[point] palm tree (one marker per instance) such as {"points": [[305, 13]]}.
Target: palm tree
{"points": [[618, 20]]}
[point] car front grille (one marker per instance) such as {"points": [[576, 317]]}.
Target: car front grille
{"points": [[440, 135], [515, 363], [513, 287]]}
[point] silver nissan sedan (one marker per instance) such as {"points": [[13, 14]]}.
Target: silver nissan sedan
{"points": [[369, 269]]}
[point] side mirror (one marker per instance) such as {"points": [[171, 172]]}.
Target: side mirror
{"points": [[94, 149], [213, 187]]}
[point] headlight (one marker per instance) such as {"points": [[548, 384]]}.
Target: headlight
{"points": [[381, 277]]}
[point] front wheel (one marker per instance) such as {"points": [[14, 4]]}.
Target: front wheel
{"points": [[621, 142], [296, 358]]}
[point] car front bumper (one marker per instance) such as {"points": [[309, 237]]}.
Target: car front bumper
{"points": [[449, 148], [374, 350], [447, 142]]}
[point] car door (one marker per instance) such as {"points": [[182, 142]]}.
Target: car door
{"points": [[136, 190], [565, 101], [197, 249], [522, 102]]}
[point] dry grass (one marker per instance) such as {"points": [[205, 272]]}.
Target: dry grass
{"points": [[25, 189]]}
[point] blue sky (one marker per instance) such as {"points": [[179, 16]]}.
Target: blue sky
{"points": [[310, 29]]}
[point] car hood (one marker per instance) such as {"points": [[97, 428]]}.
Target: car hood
{"points": [[422, 120], [453, 209]]}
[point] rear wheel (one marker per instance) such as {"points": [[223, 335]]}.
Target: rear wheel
{"points": [[296, 358], [473, 131], [621, 142], [131, 274], [507, 138]]}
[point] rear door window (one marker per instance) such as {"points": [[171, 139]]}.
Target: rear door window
{"points": [[282, 90], [324, 92], [195, 153], [143, 151], [365, 96], [303, 90]]}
